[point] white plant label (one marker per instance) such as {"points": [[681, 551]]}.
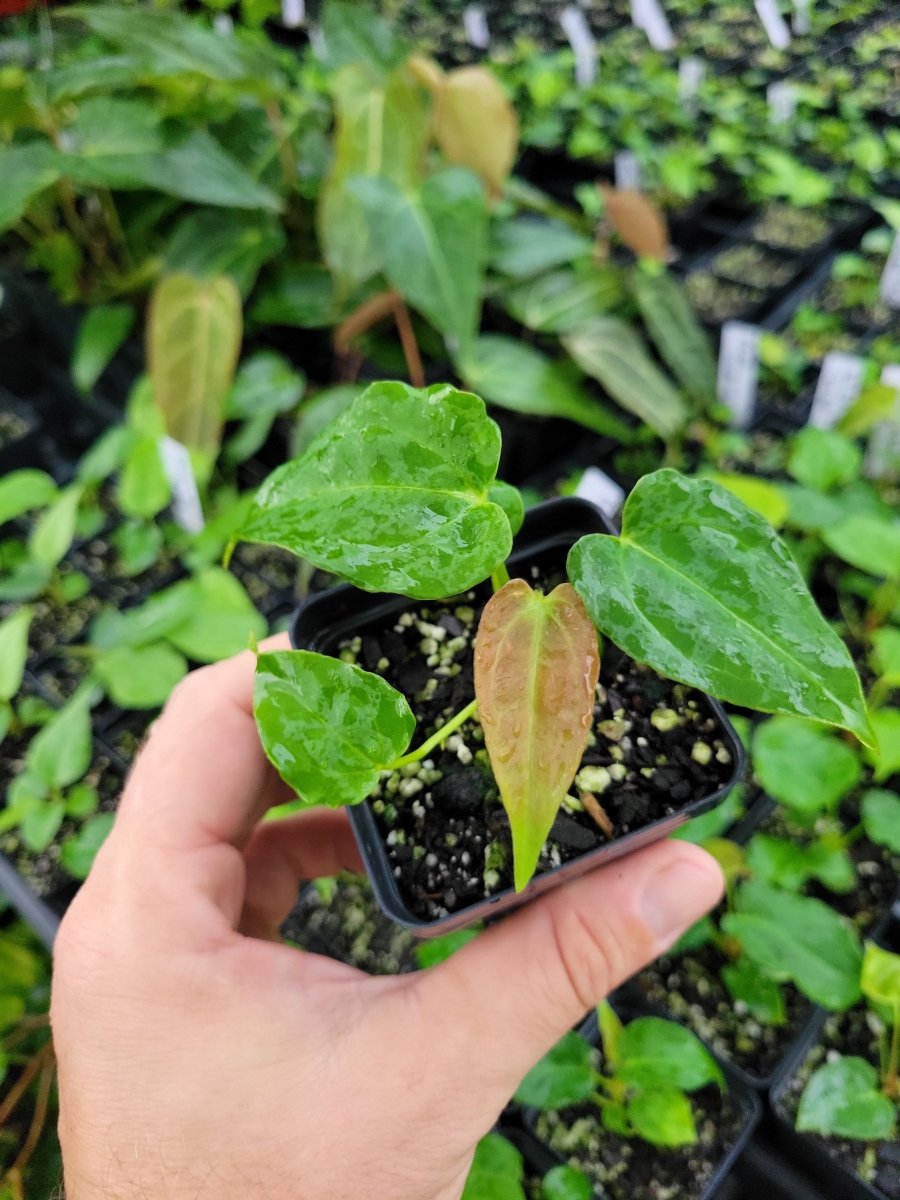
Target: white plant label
{"points": [[738, 371], [782, 99], [691, 73], [577, 30], [628, 171], [883, 455], [774, 23], [800, 19], [476, 27], [595, 485], [838, 386], [223, 24], [186, 507], [890, 276], [293, 13], [650, 16]]}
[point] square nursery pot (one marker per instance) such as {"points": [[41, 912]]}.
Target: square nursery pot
{"points": [[745, 1107], [330, 620], [825, 1159]]}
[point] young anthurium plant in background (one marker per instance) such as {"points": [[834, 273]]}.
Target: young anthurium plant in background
{"points": [[400, 495], [848, 1097], [642, 1087]]}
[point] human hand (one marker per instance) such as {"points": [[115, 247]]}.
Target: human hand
{"points": [[199, 1060]]}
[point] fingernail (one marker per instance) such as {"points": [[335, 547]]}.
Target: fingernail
{"points": [[678, 895]]}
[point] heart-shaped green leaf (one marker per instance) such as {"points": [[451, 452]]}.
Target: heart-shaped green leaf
{"points": [[653, 1052], [328, 727], [800, 939], [497, 1171], [806, 768], [842, 1098], [704, 591], [536, 668], [663, 1117], [394, 495], [564, 1076]]}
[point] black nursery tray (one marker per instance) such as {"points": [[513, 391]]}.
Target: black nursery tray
{"points": [[332, 618]]}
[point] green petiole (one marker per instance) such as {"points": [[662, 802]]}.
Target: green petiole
{"points": [[436, 739]]}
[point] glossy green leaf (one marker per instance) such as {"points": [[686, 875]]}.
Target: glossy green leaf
{"points": [[881, 818], [516, 376], [527, 246], [663, 1117], [434, 246], [702, 589], [220, 618], [681, 340], [763, 997], [107, 139], [800, 939], [198, 169], [213, 242], [536, 668], [564, 1076], [510, 499], [822, 459], [26, 171], [870, 543], [880, 978], [266, 386], [145, 623], [497, 1171], [806, 768], [299, 294], [561, 300], [609, 350], [654, 1053], [13, 650], [79, 850], [100, 334], [885, 755], [566, 1183], [394, 494], [54, 532], [193, 341], [140, 678], [382, 129], [60, 753], [842, 1099], [762, 497], [431, 951], [23, 490], [356, 33], [328, 727]]}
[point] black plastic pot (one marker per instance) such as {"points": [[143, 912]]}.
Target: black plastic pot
{"points": [[324, 620], [541, 1158]]}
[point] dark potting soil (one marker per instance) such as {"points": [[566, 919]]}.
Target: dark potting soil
{"points": [[340, 918], [850, 1033], [653, 749], [623, 1168], [689, 987]]}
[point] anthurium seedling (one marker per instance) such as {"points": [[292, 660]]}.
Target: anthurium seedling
{"points": [[400, 494], [849, 1097], [641, 1089]]}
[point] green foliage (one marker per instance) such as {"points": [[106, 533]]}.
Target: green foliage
{"points": [[870, 543], [676, 332], [328, 727], [142, 677], [437, 950], [842, 1099], [797, 938], [13, 651], [21, 491], [881, 818], [823, 460], [60, 753], [648, 1067], [497, 1171], [609, 350], [807, 768], [566, 1183], [667, 595], [100, 334], [394, 494]]}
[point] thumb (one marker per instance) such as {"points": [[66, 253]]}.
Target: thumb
{"points": [[504, 999]]}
